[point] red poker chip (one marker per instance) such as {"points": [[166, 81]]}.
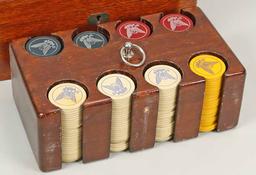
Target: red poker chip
{"points": [[134, 30], [177, 22]]}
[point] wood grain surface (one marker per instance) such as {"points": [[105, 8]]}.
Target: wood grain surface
{"points": [[33, 77]]}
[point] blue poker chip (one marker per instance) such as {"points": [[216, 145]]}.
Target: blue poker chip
{"points": [[44, 46], [90, 40]]}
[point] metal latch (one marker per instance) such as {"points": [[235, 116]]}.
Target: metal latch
{"points": [[98, 18]]}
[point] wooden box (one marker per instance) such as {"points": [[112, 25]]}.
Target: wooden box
{"points": [[32, 78]]}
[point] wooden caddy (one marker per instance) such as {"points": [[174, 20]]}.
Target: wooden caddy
{"points": [[32, 78]]}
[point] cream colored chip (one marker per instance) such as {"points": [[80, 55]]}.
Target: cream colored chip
{"points": [[67, 96], [163, 76], [116, 86]]}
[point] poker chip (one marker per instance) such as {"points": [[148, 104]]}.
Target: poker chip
{"points": [[177, 22], [134, 30], [163, 76], [69, 97], [209, 67], [90, 39], [44, 46], [212, 69], [119, 88], [167, 79], [116, 86]]}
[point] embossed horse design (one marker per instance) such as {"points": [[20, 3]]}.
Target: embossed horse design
{"points": [[89, 40], [176, 22], [206, 65], [117, 88], [132, 29], [68, 93], [44, 46], [162, 74]]}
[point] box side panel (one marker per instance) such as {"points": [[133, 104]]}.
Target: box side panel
{"points": [[96, 132], [43, 133], [24, 106], [49, 135], [143, 121], [188, 114], [232, 96]]}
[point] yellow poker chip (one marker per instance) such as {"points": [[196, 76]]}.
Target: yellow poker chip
{"points": [[163, 76], [208, 66], [211, 103], [67, 96], [116, 86], [208, 128], [209, 121]]}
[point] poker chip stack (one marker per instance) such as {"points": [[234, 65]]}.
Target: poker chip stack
{"points": [[69, 98], [212, 69], [120, 88], [167, 79]]}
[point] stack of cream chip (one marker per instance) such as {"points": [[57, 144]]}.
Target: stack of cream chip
{"points": [[167, 79], [119, 88], [69, 98]]}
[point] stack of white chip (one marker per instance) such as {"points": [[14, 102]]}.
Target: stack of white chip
{"points": [[71, 123], [69, 98], [119, 88], [167, 79]]}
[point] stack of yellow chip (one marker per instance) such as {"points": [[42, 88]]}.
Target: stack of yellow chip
{"points": [[69, 98], [120, 88], [212, 69], [167, 79]]}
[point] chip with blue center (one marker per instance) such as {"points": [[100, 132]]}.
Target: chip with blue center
{"points": [[90, 40], [44, 46]]}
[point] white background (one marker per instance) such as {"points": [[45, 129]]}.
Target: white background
{"points": [[229, 153]]}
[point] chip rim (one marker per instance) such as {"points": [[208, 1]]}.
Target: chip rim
{"points": [[217, 76], [173, 85], [79, 104], [126, 95]]}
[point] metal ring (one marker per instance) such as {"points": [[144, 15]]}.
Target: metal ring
{"points": [[126, 56]]}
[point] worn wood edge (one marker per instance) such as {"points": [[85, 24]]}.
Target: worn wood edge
{"points": [[235, 97], [182, 99], [5, 72], [100, 121], [143, 137]]}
